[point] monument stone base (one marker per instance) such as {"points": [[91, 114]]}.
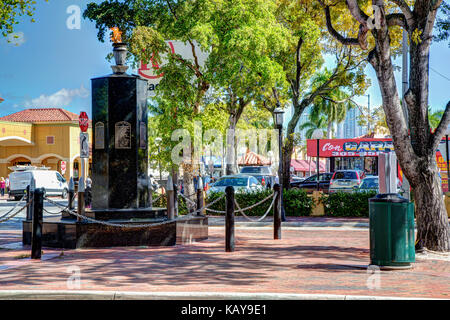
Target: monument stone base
{"points": [[70, 234]]}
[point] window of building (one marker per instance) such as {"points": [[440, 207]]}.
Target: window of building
{"points": [[50, 140]]}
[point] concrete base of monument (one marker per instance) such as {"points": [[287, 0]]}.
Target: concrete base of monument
{"points": [[70, 234]]}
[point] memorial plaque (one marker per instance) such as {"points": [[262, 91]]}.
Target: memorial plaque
{"points": [[123, 135], [99, 135]]}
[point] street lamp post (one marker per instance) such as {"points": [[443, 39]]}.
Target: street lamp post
{"points": [[279, 115], [318, 134]]}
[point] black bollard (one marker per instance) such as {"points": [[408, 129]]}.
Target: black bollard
{"points": [[229, 220], [277, 213], [30, 195], [36, 235], [81, 190], [27, 199], [71, 206], [200, 196], [175, 199], [170, 199]]}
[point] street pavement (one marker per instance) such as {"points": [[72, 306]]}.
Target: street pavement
{"points": [[307, 263]]}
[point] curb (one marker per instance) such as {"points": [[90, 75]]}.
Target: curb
{"points": [[127, 295]]}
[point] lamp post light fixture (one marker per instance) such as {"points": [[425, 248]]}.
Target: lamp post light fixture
{"points": [[158, 141], [279, 117], [317, 135]]}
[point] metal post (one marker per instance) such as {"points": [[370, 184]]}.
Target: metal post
{"points": [[30, 195], [405, 86], [71, 206], [175, 197], [81, 189], [170, 198], [200, 196], [318, 166], [229, 220], [36, 235], [277, 213]]}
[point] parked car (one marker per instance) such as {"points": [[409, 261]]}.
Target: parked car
{"points": [[240, 182], [310, 183], [53, 182], [345, 180], [368, 184], [262, 173]]}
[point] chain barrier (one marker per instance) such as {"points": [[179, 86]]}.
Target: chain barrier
{"points": [[187, 199], [119, 225], [255, 205], [64, 208], [14, 208], [15, 214]]}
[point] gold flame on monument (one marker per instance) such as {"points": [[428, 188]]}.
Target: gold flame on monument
{"points": [[117, 35]]}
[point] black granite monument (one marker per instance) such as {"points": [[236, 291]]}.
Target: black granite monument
{"points": [[120, 184]]}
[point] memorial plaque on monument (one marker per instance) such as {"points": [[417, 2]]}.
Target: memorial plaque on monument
{"points": [[99, 135]]}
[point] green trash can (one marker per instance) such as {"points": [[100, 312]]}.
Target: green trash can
{"points": [[391, 231]]}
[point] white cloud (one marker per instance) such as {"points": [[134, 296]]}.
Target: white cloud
{"points": [[16, 38], [62, 98]]}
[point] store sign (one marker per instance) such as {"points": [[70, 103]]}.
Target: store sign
{"points": [[349, 147], [149, 70]]}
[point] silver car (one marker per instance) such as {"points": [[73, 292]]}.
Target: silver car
{"points": [[240, 183]]}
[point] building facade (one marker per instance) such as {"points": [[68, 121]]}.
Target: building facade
{"points": [[42, 137]]}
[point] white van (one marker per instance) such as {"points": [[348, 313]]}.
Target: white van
{"points": [[53, 182]]}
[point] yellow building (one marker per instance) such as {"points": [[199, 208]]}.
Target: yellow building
{"points": [[42, 137]]}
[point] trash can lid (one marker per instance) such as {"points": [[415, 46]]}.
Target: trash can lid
{"points": [[388, 197]]}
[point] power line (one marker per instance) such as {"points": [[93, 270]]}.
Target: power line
{"points": [[448, 79]]}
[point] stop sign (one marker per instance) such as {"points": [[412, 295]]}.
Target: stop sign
{"points": [[83, 121]]}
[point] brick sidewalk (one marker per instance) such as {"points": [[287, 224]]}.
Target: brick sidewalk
{"points": [[303, 262]]}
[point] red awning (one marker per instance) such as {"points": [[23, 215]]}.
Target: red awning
{"points": [[303, 166], [253, 159]]}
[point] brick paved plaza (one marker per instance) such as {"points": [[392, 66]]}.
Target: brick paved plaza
{"points": [[330, 261]]}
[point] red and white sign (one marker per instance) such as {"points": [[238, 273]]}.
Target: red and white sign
{"points": [[348, 147], [83, 121], [63, 167], [149, 70]]}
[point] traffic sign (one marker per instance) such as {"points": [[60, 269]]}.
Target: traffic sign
{"points": [[83, 121], [63, 167]]}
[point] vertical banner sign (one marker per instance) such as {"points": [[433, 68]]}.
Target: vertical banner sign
{"points": [[84, 145], [442, 166]]}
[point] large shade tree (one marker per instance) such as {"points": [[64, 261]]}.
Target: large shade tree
{"points": [[376, 23], [12, 10]]}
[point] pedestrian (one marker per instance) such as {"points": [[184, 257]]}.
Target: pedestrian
{"points": [[2, 186], [88, 193], [7, 185]]}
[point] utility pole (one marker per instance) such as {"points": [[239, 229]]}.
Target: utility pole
{"points": [[368, 114], [405, 186]]}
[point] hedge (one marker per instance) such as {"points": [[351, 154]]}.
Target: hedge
{"points": [[343, 204], [296, 203]]}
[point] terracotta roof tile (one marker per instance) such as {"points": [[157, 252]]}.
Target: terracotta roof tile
{"points": [[41, 115]]}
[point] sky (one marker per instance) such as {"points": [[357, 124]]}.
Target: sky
{"points": [[50, 64]]}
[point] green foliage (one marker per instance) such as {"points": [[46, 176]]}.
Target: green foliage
{"points": [[11, 10], [443, 22], [297, 203], [245, 200], [342, 204], [161, 202]]}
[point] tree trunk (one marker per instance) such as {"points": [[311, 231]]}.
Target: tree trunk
{"points": [[431, 214], [231, 146], [188, 184]]}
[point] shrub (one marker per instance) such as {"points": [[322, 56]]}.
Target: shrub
{"points": [[297, 203], [162, 203], [343, 204], [244, 200]]}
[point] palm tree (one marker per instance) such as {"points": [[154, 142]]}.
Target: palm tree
{"points": [[334, 107], [314, 123]]}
